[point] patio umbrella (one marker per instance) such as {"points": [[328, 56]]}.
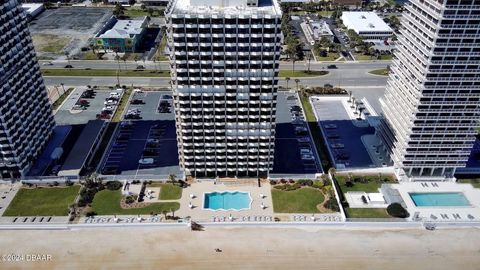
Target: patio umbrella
{"points": [[262, 196], [432, 216], [262, 206], [230, 217], [190, 205], [470, 216], [192, 196], [313, 218]]}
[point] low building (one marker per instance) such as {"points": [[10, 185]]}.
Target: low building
{"points": [[321, 30], [33, 10], [124, 36], [367, 25]]}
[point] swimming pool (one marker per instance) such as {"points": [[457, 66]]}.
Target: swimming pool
{"points": [[439, 199], [227, 200]]}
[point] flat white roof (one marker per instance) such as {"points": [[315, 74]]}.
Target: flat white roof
{"points": [[125, 29], [362, 21], [221, 7], [31, 7]]}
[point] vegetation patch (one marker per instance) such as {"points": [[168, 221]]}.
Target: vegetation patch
{"points": [[60, 100], [383, 72], [168, 191], [302, 200], [107, 202], [302, 73], [366, 183], [42, 201], [49, 43], [475, 182], [397, 210], [367, 213]]}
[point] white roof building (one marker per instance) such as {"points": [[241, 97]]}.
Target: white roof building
{"points": [[33, 9], [126, 29], [367, 25]]}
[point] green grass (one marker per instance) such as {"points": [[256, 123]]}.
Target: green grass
{"points": [[383, 72], [330, 57], [475, 182], [303, 200], [104, 72], [168, 191], [372, 184], [367, 213], [60, 100], [159, 53], [301, 73], [91, 56], [316, 133], [42, 201], [325, 13], [135, 12], [107, 202], [364, 57]]}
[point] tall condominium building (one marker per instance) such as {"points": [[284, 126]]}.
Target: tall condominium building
{"points": [[224, 66], [26, 120], [431, 105]]}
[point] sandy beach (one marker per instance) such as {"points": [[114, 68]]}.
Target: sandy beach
{"points": [[243, 248]]}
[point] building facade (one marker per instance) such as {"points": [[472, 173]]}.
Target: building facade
{"points": [[224, 59], [431, 106], [26, 121]]}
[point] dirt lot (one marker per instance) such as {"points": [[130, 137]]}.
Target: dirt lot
{"points": [[47, 43], [245, 248]]}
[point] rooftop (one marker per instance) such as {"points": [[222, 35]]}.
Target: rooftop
{"points": [[361, 21], [125, 29], [31, 7], [233, 7]]}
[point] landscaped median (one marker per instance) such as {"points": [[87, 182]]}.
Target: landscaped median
{"points": [[104, 72], [381, 72], [302, 73], [42, 201]]}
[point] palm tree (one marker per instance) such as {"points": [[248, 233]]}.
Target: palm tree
{"points": [[350, 96], [360, 111], [332, 171], [172, 178], [353, 103], [164, 212], [287, 79], [297, 81]]}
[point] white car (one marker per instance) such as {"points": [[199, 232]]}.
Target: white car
{"points": [[308, 157], [137, 90], [107, 109], [305, 151], [146, 161], [114, 94], [110, 102], [47, 64]]}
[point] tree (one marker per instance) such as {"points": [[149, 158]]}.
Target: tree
{"points": [[150, 12], [172, 178], [165, 212], [118, 10], [332, 171], [297, 81], [350, 96], [397, 210]]}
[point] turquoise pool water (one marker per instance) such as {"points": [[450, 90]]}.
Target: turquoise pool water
{"points": [[439, 199], [227, 201]]}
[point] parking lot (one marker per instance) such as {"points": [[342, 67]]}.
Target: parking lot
{"points": [[294, 150], [70, 113], [343, 135], [145, 144], [77, 24]]}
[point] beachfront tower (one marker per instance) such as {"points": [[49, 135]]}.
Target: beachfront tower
{"points": [[26, 121], [431, 106], [224, 58]]}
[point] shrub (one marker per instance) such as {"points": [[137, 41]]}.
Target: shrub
{"points": [[113, 185], [291, 181], [283, 181], [397, 210], [273, 182], [68, 183], [130, 199], [90, 214], [281, 187], [332, 204], [55, 183], [349, 184], [317, 184]]}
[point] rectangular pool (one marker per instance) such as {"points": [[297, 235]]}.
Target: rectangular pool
{"points": [[227, 201], [439, 199]]}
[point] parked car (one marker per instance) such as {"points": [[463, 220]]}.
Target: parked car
{"points": [[140, 67], [332, 66], [146, 161], [137, 101], [110, 102], [47, 64]]}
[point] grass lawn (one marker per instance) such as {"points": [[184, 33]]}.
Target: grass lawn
{"points": [[383, 72], [303, 200], [372, 185], [104, 72], [316, 133], [330, 57], [159, 56], [43, 201], [367, 213], [168, 191], [107, 202], [301, 73], [121, 105], [360, 57], [475, 182], [325, 13], [91, 56]]}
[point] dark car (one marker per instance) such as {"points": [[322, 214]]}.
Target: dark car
{"points": [[332, 66], [137, 101]]}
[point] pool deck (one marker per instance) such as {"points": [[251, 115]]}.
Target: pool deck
{"points": [[198, 213], [439, 213]]}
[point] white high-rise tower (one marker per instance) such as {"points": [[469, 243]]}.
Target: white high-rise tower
{"points": [[26, 120], [431, 106], [224, 59]]}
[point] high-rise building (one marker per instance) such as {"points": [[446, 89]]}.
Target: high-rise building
{"points": [[26, 120], [432, 102], [224, 59]]}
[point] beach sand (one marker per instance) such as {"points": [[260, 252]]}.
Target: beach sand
{"points": [[245, 248]]}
